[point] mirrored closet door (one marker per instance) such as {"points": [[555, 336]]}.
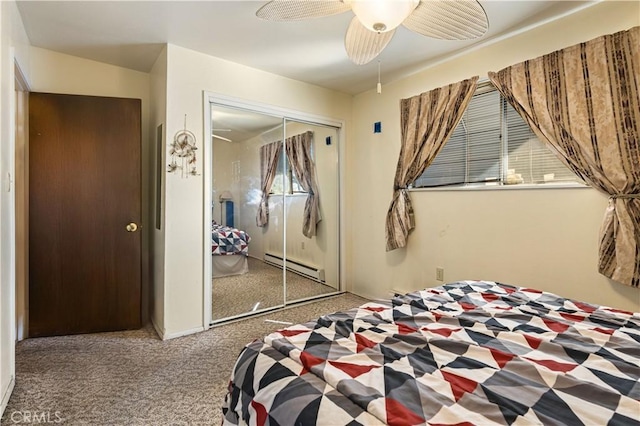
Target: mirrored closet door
{"points": [[275, 211], [311, 209], [242, 282]]}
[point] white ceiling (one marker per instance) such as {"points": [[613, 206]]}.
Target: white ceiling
{"points": [[131, 34], [239, 125]]}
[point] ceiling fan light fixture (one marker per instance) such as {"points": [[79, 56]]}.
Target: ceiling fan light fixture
{"points": [[382, 15]]}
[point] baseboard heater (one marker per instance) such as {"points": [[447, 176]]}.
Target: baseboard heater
{"points": [[297, 267]]}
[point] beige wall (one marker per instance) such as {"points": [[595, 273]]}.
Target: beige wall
{"points": [[158, 117], [541, 238], [189, 73]]}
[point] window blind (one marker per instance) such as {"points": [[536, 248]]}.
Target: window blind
{"points": [[528, 156], [492, 143]]}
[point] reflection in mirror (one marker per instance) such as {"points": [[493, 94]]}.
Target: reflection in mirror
{"points": [[310, 174], [242, 282], [275, 208]]}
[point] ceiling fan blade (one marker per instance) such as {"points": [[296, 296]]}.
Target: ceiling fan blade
{"points": [[222, 138], [448, 19], [293, 10], [364, 45]]}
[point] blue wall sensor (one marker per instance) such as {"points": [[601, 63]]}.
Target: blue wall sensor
{"points": [[328, 140], [377, 127]]}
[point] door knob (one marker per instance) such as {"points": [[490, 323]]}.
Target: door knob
{"points": [[132, 227]]}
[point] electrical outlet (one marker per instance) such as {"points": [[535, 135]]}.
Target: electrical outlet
{"points": [[440, 274], [302, 244]]}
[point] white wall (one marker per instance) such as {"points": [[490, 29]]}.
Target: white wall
{"points": [[54, 72], [189, 73], [541, 238], [13, 43]]}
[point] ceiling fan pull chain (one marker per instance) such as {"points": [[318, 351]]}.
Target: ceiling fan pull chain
{"points": [[379, 85]]}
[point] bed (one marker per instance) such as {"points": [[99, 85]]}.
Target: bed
{"points": [[230, 249], [466, 353]]}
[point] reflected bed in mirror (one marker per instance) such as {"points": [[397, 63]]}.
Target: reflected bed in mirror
{"points": [[229, 248]]}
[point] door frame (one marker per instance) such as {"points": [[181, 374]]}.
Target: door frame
{"points": [[22, 209], [14, 77], [210, 98]]}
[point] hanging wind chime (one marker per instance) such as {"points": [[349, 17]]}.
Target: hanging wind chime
{"points": [[183, 152]]}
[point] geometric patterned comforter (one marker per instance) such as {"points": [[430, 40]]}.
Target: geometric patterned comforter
{"points": [[466, 353], [227, 240]]}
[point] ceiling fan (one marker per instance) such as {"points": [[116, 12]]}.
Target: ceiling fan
{"points": [[376, 20], [221, 137]]}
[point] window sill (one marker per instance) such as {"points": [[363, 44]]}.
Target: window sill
{"points": [[501, 187], [295, 194]]}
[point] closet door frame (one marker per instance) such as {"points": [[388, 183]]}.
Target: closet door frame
{"points": [[210, 98]]}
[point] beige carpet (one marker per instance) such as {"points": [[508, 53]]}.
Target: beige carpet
{"points": [[262, 285], [134, 378]]}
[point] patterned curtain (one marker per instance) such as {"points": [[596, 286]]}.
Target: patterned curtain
{"points": [[298, 150], [269, 155], [585, 103], [427, 121]]}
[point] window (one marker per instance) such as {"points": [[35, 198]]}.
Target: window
{"points": [[286, 180], [493, 145]]}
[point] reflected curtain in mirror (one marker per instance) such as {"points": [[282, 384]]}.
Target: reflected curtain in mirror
{"points": [[584, 101], [269, 155], [298, 150]]}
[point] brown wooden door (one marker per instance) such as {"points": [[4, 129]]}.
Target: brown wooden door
{"points": [[84, 188]]}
